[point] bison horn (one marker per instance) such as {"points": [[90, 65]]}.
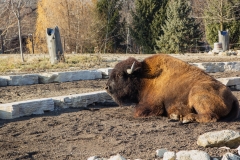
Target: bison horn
{"points": [[129, 71]]}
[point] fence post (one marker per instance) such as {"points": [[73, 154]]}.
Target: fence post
{"points": [[54, 45], [2, 44], [223, 37]]}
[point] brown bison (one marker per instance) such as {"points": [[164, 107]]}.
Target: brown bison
{"points": [[166, 86]]}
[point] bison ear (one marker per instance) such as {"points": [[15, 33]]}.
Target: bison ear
{"points": [[130, 71]]}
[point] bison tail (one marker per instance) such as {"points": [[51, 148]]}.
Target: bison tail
{"points": [[234, 113]]}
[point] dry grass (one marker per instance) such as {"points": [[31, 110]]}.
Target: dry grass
{"points": [[40, 63]]}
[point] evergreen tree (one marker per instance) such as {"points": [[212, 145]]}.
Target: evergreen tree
{"points": [[180, 30], [148, 16], [108, 12]]}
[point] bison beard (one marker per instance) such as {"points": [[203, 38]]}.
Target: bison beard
{"points": [[166, 86]]}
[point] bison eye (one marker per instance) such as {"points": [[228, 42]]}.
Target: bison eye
{"points": [[119, 76]]}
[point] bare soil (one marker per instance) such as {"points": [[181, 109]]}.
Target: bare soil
{"points": [[100, 130]]}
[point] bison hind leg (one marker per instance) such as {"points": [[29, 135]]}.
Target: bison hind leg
{"points": [[202, 118]]}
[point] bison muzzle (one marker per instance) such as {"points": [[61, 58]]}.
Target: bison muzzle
{"points": [[162, 85]]}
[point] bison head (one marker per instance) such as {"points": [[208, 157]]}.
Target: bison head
{"points": [[124, 81]]}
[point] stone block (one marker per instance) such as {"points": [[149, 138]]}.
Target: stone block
{"points": [[20, 80], [232, 81], [45, 78], [106, 71], [82, 100], [212, 67], [69, 76], [24, 108], [3, 82]]}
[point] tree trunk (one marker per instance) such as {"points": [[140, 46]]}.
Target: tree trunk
{"points": [[20, 38]]}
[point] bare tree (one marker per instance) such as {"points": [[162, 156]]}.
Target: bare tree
{"points": [[17, 6], [217, 11], [78, 25]]}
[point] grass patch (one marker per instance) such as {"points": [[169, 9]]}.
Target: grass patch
{"points": [[36, 63]]}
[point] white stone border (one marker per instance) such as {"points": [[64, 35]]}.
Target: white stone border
{"points": [[43, 78], [39, 106]]}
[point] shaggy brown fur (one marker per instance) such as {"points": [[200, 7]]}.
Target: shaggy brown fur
{"points": [[163, 85]]}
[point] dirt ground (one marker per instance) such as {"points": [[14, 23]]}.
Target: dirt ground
{"points": [[101, 130]]}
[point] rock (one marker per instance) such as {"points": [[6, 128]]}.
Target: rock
{"points": [[117, 157], [230, 156], [169, 156], [228, 138], [192, 155], [93, 158], [96, 158], [160, 152], [238, 149]]}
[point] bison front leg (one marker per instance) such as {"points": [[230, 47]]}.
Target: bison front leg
{"points": [[202, 118], [146, 110], [177, 111]]}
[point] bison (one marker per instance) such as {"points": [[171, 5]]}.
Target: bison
{"points": [[162, 85]]}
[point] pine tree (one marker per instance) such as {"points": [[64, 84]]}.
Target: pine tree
{"points": [[180, 30], [108, 12], [148, 16]]}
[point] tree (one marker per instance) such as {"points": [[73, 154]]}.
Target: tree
{"points": [[109, 12], [11, 11], [147, 19], [180, 30], [222, 15], [221, 11], [77, 24], [16, 8]]}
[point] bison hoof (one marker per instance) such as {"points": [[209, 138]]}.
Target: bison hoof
{"points": [[174, 117], [186, 120]]}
